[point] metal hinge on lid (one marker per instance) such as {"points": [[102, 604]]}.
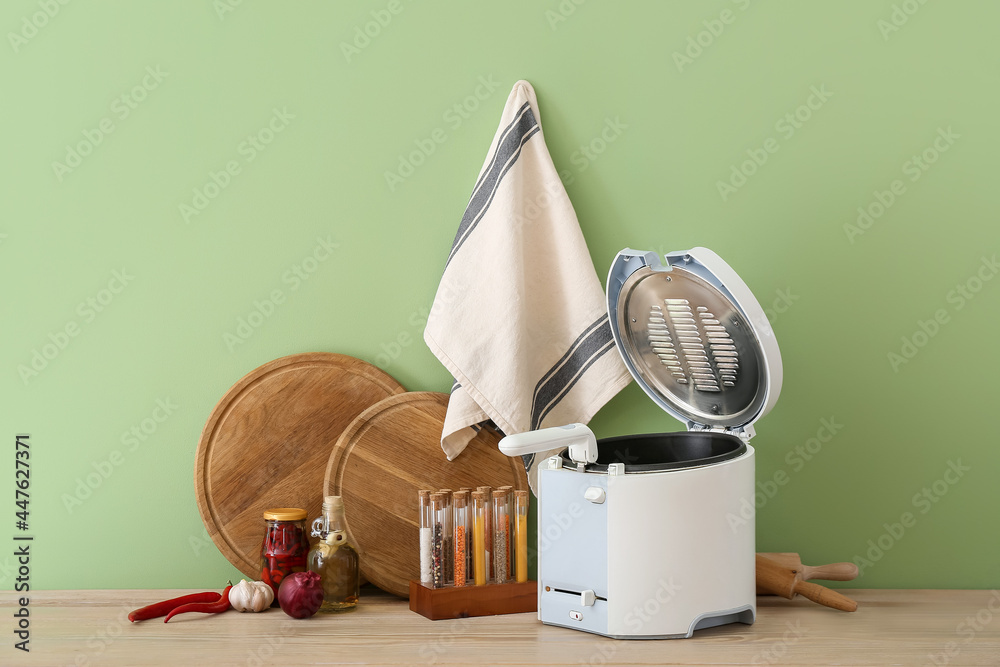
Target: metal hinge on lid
{"points": [[744, 433]]}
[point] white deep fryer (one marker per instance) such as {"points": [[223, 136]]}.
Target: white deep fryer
{"points": [[647, 536]]}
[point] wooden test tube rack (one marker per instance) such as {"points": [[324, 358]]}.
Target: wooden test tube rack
{"points": [[464, 601]]}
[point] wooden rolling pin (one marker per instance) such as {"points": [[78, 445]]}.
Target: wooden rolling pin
{"points": [[774, 578], [831, 572]]}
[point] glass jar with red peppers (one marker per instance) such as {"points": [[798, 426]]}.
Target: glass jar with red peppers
{"points": [[285, 545]]}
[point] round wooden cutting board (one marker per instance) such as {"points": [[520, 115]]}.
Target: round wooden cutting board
{"points": [[267, 441], [380, 462]]}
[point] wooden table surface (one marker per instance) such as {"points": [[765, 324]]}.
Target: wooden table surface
{"points": [[891, 627]]}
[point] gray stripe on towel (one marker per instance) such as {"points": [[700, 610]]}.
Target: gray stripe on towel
{"points": [[583, 354], [508, 150]]}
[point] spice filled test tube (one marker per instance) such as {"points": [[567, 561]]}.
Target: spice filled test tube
{"points": [[461, 515], [449, 535], [479, 557], [465, 494], [487, 491], [501, 529], [509, 501], [521, 536], [426, 536], [437, 541]]}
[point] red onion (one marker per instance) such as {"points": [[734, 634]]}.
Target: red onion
{"points": [[300, 594]]}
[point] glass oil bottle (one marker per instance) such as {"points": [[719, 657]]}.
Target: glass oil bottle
{"points": [[334, 559]]}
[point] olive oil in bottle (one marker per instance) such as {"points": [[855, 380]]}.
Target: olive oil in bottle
{"points": [[333, 558]]}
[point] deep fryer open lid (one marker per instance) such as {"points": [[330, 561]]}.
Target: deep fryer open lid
{"points": [[694, 337]]}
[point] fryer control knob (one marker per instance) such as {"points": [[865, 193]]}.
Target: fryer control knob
{"points": [[587, 598], [595, 494]]}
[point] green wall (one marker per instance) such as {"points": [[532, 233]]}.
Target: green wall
{"points": [[844, 295]]}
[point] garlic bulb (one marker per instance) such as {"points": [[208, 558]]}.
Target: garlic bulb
{"points": [[251, 596]]}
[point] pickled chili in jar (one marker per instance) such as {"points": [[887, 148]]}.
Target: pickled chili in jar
{"points": [[285, 545]]}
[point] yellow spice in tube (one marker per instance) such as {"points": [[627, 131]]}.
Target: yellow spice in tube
{"points": [[522, 549], [479, 549]]}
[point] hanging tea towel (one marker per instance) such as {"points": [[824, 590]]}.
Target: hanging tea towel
{"points": [[520, 318]]}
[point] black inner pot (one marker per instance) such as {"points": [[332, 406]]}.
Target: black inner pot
{"points": [[652, 452]]}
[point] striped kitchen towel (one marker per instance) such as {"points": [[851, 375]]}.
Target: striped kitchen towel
{"points": [[520, 318]]}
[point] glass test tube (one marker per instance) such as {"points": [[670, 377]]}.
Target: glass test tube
{"points": [[461, 515], [437, 541], [501, 530], [467, 524], [521, 536], [509, 501], [449, 541], [426, 536], [480, 571], [487, 492]]}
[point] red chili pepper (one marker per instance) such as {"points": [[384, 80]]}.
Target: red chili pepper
{"points": [[215, 607], [158, 609]]}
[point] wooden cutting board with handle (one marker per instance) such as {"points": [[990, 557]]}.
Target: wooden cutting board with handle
{"points": [[267, 442], [380, 462]]}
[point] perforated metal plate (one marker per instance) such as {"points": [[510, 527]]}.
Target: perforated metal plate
{"points": [[690, 345]]}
